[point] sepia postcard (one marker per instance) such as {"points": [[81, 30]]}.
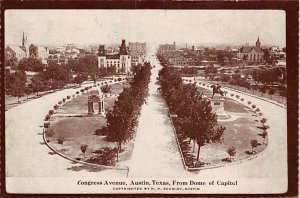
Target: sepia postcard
{"points": [[150, 101]]}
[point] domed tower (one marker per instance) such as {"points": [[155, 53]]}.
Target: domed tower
{"points": [[125, 60], [257, 43]]}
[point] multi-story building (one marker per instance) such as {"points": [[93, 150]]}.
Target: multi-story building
{"points": [[137, 52], [166, 47], [251, 53], [120, 60]]}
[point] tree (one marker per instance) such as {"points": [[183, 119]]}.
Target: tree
{"points": [[271, 92], [254, 144], [80, 78], [263, 121], [49, 134], [231, 152], [262, 89], [61, 140], [83, 148], [122, 119], [37, 84], [264, 135], [31, 64], [17, 84], [106, 89], [194, 114], [28, 90]]}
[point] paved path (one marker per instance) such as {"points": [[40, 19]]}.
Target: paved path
{"points": [[156, 153]]}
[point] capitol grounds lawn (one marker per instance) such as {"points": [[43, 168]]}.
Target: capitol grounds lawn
{"points": [[239, 132], [78, 129]]}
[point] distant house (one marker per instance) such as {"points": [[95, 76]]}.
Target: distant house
{"points": [[39, 52], [251, 53]]}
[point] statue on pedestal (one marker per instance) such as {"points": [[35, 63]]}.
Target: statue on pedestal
{"points": [[217, 90], [217, 104]]}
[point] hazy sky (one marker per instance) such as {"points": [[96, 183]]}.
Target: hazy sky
{"points": [[157, 26]]}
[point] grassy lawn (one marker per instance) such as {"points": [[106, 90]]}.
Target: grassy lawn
{"points": [[81, 130], [79, 104], [229, 104], [238, 134]]}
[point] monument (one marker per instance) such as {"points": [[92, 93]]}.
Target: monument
{"points": [[217, 103], [96, 97]]}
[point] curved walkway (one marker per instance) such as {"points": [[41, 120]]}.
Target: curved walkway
{"points": [[271, 165], [26, 153]]}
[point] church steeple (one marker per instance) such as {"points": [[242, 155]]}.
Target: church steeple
{"points": [[23, 39], [257, 43]]}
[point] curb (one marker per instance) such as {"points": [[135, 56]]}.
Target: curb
{"points": [[248, 94]]}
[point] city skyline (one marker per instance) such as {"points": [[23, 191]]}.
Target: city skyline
{"points": [[232, 27]]}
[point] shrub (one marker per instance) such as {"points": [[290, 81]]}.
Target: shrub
{"points": [[237, 96], [51, 112], [263, 120], [231, 151], [86, 88], [260, 114], [91, 87], [203, 84], [119, 79], [257, 110], [68, 97], [46, 125], [242, 99], [83, 147], [98, 84], [64, 99], [47, 117], [56, 107], [249, 102], [77, 92], [254, 144], [50, 133], [190, 80], [253, 106], [60, 140], [232, 95], [60, 102], [82, 90], [73, 95]]}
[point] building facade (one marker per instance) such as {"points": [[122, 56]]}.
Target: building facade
{"points": [[137, 52], [167, 47], [251, 53], [120, 60]]}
